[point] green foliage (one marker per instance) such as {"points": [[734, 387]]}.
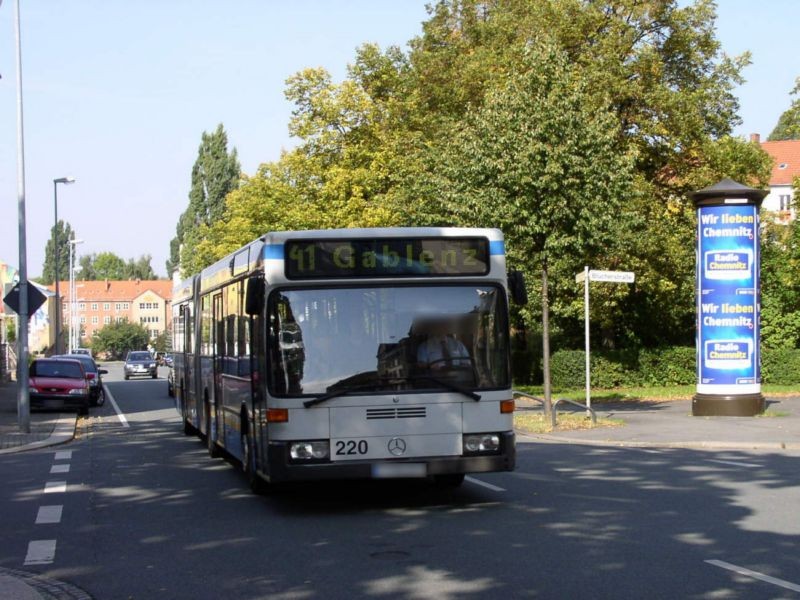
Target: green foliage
{"points": [[107, 265], [666, 366], [215, 174], [118, 338], [61, 233], [781, 366], [788, 126]]}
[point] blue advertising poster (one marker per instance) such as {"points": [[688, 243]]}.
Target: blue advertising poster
{"points": [[727, 294]]}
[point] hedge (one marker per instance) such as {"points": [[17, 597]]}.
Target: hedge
{"points": [[667, 366]]}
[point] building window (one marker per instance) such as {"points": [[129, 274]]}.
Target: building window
{"points": [[785, 202], [118, 306], [106, 320], [126, 306], [83, 320], [95, 320], [82, 306], [66, 307], [120, 319], [94, 305], [106, 306]]}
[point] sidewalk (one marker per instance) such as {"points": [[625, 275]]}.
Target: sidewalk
{"points": [[47, 428], [671, 425]]}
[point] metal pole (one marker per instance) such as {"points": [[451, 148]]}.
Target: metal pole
{"points": [[23, 397], [55, 263], [71, 278], [586, 347]]}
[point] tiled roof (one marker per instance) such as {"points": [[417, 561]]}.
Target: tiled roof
{"points": [[787, 154], [116, 291]]}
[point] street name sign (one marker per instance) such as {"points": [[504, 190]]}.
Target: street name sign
{"points": [[612, 276]]}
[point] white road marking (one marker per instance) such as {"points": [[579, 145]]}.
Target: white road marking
{"points": [[41, 552], [755, 575], [120, 415], [49, 514], [59, 469], [63, 455], [734, 463], [55, 487], [494, 488]]}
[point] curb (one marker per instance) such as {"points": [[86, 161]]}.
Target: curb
{"points": [[63, 432], [699, 445]]}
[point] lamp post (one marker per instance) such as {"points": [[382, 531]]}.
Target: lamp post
{"points": [[65, 181], [72, 293]]}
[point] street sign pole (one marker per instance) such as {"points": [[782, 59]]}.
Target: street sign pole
{"points": [[586, 341], [586, 276]]}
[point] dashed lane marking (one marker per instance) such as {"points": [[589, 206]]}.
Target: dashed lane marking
{"points": [[63, 455], [49, 514], [755, 575], [41, 552], [484, 484], [59, 469], [734, 463], [55, 487], [120, 414]]}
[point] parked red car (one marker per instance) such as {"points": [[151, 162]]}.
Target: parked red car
{"points": [[59, 383]]}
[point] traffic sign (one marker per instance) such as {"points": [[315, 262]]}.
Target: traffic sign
{"points": [[35, 299], [612, 276]]}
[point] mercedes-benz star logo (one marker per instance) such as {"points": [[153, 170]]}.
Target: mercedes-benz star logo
{"points": [[397, 446]]}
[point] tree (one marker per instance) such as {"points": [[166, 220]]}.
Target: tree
{"points": [[61, 233], [118, 338], [788, 127], [107, 265], [540, 161], [215, 173]]}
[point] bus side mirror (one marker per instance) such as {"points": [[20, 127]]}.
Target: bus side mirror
{"points": [[516, 287], [254, 300]]}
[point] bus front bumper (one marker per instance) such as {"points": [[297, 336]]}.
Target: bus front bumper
{"points": [[280, 468]]}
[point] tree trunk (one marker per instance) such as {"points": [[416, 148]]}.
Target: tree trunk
{"points": [[548, 399]]}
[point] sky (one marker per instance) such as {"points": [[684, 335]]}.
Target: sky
{"points": [[117, 94]]}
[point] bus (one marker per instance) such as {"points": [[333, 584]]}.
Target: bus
{"points": [[351, 354]]}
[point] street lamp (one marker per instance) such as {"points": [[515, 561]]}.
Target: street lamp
{"points": [[72, 294], [65, 181]]}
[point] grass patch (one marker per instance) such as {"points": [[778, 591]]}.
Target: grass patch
{"points": [[650, 394], [535, 422], [769, 413]]}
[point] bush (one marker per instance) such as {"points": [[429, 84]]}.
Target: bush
{"points": [[626, 368], [780, 366]]}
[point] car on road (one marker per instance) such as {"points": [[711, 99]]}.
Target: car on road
{"points": [[94, 375], [140, 363], [85, 351], [59, 383]]}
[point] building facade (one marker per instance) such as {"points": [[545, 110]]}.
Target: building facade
{"points": [[100, 303], [786, 166]]}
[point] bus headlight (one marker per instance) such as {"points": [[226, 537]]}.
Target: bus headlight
{"points": [[309, 450], [481, 443]]}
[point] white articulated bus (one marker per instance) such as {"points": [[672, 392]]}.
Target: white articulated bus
{"points": [[355, 353]]}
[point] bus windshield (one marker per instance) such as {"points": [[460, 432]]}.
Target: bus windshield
{"points": [[387, 339]]}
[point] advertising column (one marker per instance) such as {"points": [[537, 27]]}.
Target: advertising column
{"points": [[728, 301]]}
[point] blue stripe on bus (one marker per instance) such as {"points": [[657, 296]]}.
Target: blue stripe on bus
{"points": [[497, 248], [273, 251]]}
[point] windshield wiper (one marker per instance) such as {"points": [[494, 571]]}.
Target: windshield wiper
{"points": [[453, 387], [334, 391]]}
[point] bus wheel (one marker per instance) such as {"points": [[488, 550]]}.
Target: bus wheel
{"points": [[257, 485], [449, 480], [211, 443]]}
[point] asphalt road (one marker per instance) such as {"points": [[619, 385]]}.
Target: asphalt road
{"points": [[147, 514]]}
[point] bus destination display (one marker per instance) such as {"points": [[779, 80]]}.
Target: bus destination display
{"points": [[420, 257]]}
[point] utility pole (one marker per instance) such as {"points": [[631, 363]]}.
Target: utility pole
{"points": [[23, 397]]}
